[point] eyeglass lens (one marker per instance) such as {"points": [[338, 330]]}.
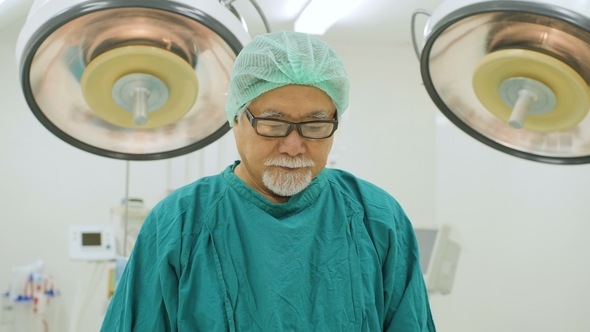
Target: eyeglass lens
{"points": [[314, 129]]}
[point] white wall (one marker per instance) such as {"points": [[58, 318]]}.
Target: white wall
{"points": [[524, 267], [525, 227], [388, 130]]}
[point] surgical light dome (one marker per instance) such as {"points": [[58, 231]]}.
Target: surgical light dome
{"points": [[513, 74], [133, 80]]}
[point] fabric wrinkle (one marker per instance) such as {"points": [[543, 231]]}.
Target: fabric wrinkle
{"points": [[325, 261]]}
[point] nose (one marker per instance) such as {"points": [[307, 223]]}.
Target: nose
{"points": [[292, 144]]}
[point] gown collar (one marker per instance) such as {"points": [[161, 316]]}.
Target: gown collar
{"points": [[295, 204]]}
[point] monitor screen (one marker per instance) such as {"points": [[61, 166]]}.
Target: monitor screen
{"points": [[91, 239], [426, 240]]}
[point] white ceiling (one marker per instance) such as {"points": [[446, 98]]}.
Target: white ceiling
{"points": [[372, 23]]}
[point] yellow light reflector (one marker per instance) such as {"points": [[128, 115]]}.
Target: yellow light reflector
{"points": [[105, 70], [571, 91]]}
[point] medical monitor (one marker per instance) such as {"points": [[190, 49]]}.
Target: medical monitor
{"points": [[439, 254], [91, 242]]}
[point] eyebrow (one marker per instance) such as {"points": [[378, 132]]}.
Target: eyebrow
{"points": [[318, 115], [271, 113], [274, 113]]}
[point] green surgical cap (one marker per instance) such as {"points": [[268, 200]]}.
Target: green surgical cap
{"points": [[281, 58]]}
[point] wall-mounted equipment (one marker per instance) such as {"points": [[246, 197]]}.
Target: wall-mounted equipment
{"points": [[92, 242], [127, 220], [439, 254]]}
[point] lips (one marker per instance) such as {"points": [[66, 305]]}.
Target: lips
{"points": [[289, 169], [289, 164]]}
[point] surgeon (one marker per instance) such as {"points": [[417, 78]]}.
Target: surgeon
{"points": [[277, 241]]}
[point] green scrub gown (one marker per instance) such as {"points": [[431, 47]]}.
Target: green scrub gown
{"points": [[217, 256]]}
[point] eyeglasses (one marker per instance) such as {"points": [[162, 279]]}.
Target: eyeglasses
{"points": [[279, 128]]}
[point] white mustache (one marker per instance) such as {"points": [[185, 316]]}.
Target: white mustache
{"points": [[284, 161]]}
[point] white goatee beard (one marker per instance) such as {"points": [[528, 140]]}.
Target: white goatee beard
{"points": [[287, 184]]}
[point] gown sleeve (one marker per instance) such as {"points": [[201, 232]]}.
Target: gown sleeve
{"points": [[406, 299], [146, 298]]}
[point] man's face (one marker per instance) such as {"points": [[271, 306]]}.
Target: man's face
{"points": [[280, 167]]}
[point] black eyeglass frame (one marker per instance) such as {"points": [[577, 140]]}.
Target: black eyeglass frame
{"points": [[253, 120]]}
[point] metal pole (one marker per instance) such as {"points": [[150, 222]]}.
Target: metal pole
{"points": [[126, 209]]}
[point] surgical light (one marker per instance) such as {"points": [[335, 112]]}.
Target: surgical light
{"points": [[320, 15], [513, 74], [133, 80]]}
